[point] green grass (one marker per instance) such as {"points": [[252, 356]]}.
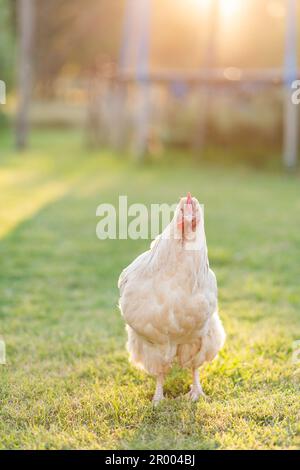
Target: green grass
{"points": [[67, 382]]}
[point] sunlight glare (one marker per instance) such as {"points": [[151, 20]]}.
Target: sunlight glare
{"points": [[229, 8], [276, 9]]}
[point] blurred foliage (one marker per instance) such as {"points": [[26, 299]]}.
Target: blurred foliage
{"points": [[73, 37], [7, 41], [7, 51]]}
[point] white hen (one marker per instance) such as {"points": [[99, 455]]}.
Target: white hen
{"points": [[168, 298]]}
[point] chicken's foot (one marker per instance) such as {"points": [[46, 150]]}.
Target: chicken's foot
{"points": [[159, 391], [196, 389]]}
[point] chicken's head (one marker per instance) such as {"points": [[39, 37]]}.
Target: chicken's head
{"points": [[188, 215], [189, 223]]}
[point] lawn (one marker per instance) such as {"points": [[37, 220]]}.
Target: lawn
{"points": [[67, 382]]}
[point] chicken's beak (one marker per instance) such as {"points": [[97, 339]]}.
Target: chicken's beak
{"points": [[187, 213], [189, 207]]}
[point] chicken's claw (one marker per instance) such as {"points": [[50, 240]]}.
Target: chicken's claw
{"points": [[195, 393]]}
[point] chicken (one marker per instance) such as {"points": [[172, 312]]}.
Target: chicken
{"points": [[168, 299]]}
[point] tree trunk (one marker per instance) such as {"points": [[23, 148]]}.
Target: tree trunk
{"points": [[25, 13]]}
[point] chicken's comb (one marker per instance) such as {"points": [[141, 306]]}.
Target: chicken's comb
{"points": [[189, 198]]}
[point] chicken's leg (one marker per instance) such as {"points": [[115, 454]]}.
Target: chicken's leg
{"points": [[196, 389], [159, 391]]}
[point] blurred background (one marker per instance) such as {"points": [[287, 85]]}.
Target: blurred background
{"points": [[148, 99], [208, 78]]}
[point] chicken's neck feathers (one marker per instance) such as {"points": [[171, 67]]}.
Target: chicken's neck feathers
{"points": [[170, 255]]}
